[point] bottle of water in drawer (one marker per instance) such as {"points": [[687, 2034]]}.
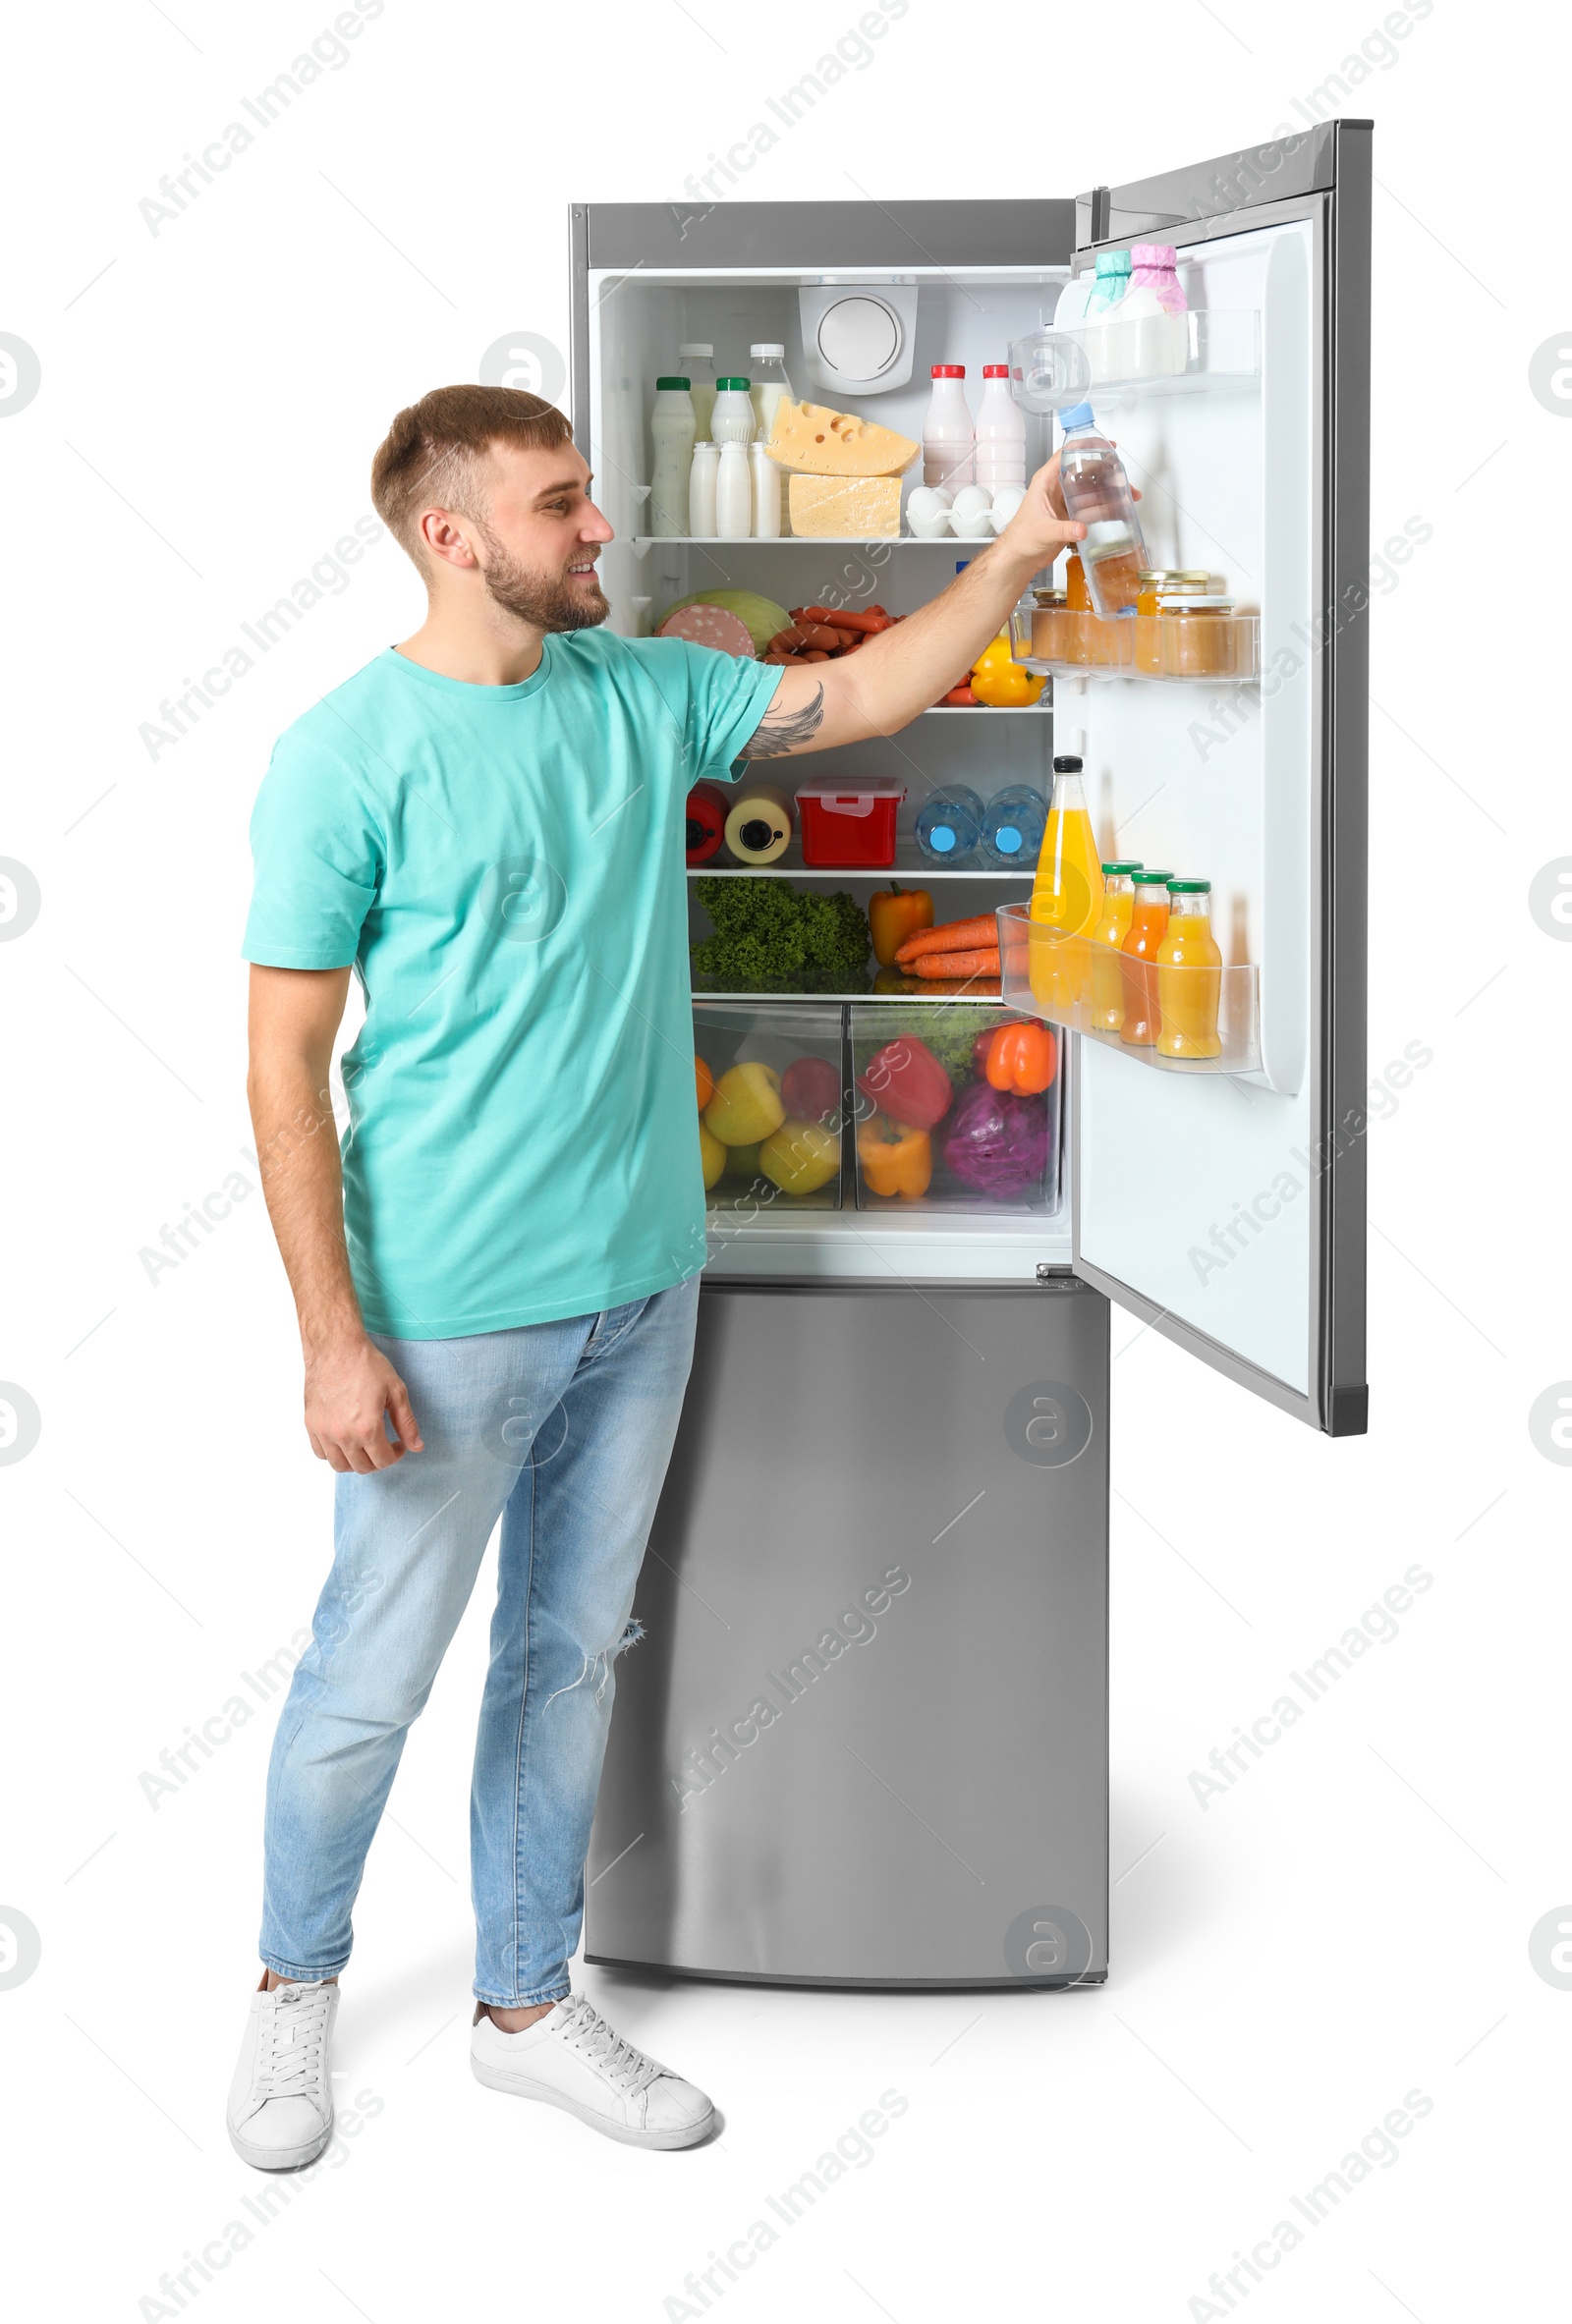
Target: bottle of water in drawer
{"points": [[1097, 494]]}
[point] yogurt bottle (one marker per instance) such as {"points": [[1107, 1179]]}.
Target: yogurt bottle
{"points": [[1001, 433], [702, 492], [672, 429], [948, 441], [734, 493], [731, 421], [767, 393], [698, 360], [1148, 336]]}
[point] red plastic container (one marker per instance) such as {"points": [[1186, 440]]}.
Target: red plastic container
{"points": [[849, 826], [707, 808]]}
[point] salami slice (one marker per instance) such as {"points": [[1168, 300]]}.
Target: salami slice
{"points": [[709, 625]]}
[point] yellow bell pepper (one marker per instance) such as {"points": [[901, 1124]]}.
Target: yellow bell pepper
{"points": [[1003, 682], [896, 1159]]}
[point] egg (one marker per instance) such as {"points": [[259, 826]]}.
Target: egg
{"points": [[1006, 503], [970, 502], [925, 502]]}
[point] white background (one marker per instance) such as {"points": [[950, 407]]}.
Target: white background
{"points": [[1350, 1922]]}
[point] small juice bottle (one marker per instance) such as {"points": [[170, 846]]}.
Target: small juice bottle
{"points": [[1138, 956], [1079, 621], [1107, 985], [1189, 973], [1067, 893]]}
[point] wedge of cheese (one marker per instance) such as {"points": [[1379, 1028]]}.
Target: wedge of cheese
{"points": [[814, 441], [841, 508]]}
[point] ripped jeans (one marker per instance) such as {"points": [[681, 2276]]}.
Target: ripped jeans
{"points": [[563, 1430]]}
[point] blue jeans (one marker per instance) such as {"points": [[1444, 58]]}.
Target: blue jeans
{"points": [[563, 1430]]}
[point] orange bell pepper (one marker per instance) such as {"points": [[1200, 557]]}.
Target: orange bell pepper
{"points": [[1022, 1058], [896, 1159], [895, 913]]}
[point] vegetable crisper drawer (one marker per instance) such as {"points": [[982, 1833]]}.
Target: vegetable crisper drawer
{"points": [[770, 1091], [957, 1108]]}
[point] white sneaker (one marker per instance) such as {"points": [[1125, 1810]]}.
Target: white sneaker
{"points": [[281, 2100], [572, 2059]]}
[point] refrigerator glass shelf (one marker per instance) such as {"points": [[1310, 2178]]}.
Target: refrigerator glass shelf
{"points": [[789, 868], [930, 995], [814, 541], [1203, 350], [1165, 649], [1070, 982]]}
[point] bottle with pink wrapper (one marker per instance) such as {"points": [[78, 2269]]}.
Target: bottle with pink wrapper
{"points": [[1147, 335]]}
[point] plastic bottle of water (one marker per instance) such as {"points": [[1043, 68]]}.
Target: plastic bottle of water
{"points": [[948, 824], [1013, 826], [1097, 494]]}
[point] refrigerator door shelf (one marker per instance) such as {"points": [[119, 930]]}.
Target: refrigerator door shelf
{"points": [[1196, 650], [1189, 354], [1070, 982]]}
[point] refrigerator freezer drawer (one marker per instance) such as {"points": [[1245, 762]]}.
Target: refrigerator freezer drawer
{"points": [[865, 1740]]}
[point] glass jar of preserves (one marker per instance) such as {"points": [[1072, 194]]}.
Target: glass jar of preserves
{"points": [[1180, 580], [1048, 625], [1199, 635]]}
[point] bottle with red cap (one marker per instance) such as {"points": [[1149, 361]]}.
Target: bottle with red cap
{"points": [[948, 443], [1001, 433]]}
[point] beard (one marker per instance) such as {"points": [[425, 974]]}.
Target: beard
{"points": [[546, 600]]}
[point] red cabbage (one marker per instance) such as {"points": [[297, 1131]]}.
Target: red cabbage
{"points": [[996, 1143]]}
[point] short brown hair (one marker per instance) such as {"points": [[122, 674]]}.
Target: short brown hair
{"points": [[434, 449]]}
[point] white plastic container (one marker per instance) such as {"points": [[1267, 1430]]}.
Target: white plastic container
{"points": [[672, 430], [948, 439], [702, 491], [766, 483], [732, 420], [1001, 433], [698, 360], [734, 493]]}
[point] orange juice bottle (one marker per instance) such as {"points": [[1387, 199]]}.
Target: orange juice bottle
{"points": [[1189, 974], [1067, 893], [1107, 985], [1138, 956], [1080, 622]]}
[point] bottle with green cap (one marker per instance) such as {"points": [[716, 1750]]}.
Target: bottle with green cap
{"points": [[1189, 974], [1138, 956], [672, 428], [1118, 902], [732, 421]]}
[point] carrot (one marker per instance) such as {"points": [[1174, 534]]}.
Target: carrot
{"points": [[984, 963], [953, 936]]}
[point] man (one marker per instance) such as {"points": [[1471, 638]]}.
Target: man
{"points": [[497, 1284]]}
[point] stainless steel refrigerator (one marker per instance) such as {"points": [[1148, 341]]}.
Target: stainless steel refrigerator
{"points": [[865, 1738]]}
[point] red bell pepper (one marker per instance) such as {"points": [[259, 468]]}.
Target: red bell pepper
{"points": [[905, 1079]]}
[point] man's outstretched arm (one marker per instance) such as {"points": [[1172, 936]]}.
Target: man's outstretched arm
{"points": [[904, 670]]}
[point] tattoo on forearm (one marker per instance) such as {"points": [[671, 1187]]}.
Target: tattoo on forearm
{"points": [[776, 735]]}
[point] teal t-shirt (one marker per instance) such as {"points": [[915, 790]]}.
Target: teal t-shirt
{"points": [[504, 867]]}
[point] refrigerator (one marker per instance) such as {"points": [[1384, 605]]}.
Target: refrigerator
{"points": [[864, 1739]]}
